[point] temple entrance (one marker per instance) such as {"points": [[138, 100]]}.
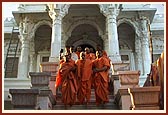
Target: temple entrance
{"points": [[85, 26], [42, 44], [83, 46], [85, 35]]}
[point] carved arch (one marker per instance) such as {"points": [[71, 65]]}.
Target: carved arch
{"points": [[131, 23], [38, 24], [84, 21]]}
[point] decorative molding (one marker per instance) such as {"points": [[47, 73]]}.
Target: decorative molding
{"points": [[110, 9]]}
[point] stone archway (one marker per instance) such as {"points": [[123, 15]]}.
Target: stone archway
{"points": [[85, 35], [126, 34], [84, 25], [42, 44], [42, 38]]}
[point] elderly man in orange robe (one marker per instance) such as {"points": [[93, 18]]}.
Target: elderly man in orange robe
{"points": [[101, 68], [66, 78], [84, 71]]}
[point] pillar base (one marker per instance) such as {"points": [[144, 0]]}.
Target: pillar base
{"points": [[54, 59], [115, 58]]}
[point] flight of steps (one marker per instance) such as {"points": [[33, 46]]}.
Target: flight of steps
{"points": [[91, 106]]}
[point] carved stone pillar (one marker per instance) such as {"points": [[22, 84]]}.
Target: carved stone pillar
{"points": [[56, 15], [146, 57], [24, 57], [32, 62], [138, 56], [25, 27], [56, 38], [111, 14], [32, 57]]}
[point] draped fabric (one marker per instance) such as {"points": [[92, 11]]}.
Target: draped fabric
{"points": [[87, 56], [156, 77], [68, 82], [92, 56], [84, 71], [101, 81], [160, 65], [78, 53]]}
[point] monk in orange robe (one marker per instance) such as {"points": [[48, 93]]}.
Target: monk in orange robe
{"points": [[84, 71], [79, 50], [92, 54], [101, 68], [67, 81], [87, 53]]}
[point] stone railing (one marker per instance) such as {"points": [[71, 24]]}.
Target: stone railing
{"points": [[145, 98], [41, 80], [129, 78], [120, 66], [126, 79], [123, 99], [24, 99], [50, 67], [38, 97]]}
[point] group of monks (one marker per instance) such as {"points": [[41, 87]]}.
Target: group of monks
{"points": [[81, 71]]}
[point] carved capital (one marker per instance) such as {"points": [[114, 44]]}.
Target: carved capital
{"points": [[57, 11], [25, 25], [110, 10]]}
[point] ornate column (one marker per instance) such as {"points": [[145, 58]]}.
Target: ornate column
{"points": [[24, 57], [32, 57], [146, 57], [56, 14], [25, 27], [111, 14], [138, 55]]}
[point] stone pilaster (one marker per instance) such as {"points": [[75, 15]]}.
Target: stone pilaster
{"points": [[32, 62], [111, 14], [56, 15], [32, 57], [146, 57], [138, 55], [25, 27], [24, 57]]}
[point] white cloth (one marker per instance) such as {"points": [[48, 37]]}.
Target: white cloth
{"points": [[74, 56]]}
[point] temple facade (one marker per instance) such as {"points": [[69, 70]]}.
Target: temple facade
{"points": [[129, 33]]}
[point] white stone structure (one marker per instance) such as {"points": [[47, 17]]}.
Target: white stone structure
{"points": [[120, 29]]}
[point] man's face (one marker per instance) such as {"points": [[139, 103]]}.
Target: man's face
{"points": [[79, 49], [87, 50], [67, 57]]}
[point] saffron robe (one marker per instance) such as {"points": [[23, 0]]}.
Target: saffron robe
{"points": [[84, 72], [101, 80], [68, 82]]}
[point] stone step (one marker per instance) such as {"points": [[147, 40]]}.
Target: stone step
{"points": [[88, 107], [91, 106]]}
